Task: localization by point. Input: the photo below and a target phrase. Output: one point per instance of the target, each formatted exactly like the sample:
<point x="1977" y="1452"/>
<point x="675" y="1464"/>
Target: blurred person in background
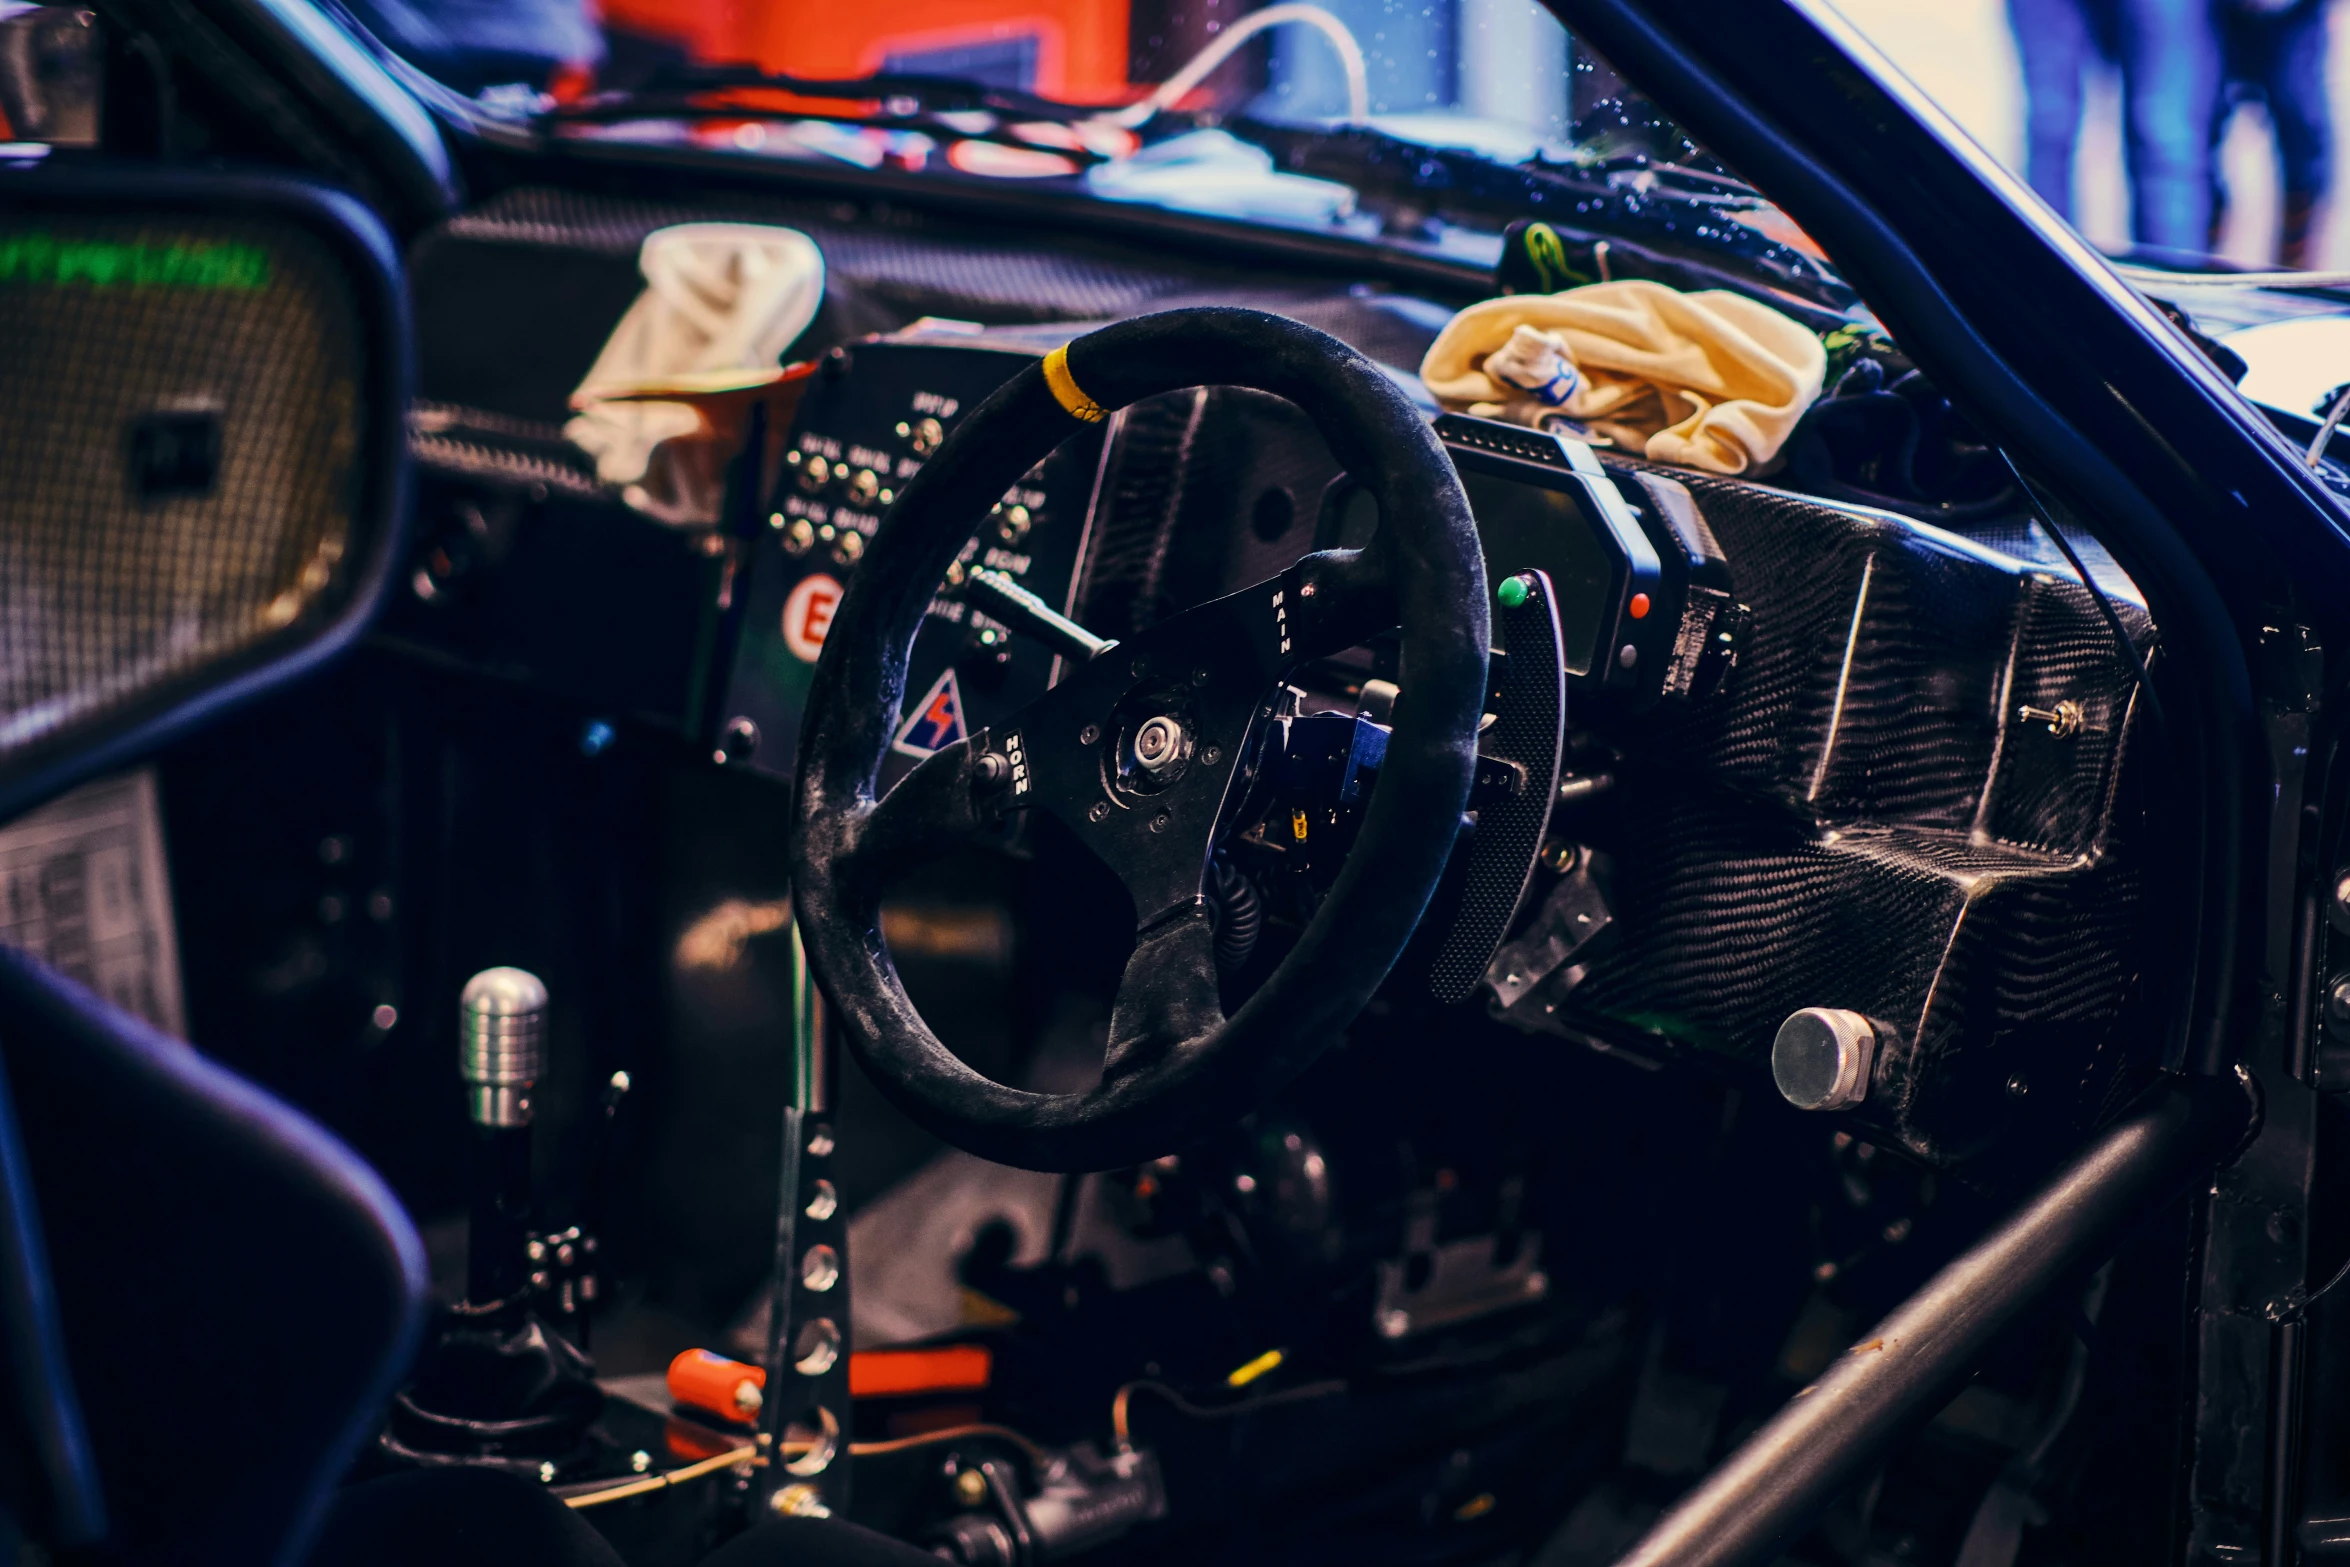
<point x="2168" y="52"/>
<point x="2274" y="52"/>
<point x="2057" y="41"/>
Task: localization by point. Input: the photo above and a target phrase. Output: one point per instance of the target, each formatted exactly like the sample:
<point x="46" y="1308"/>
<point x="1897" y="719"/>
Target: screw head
<point x="800" y="1500"/>
<point x="1089" y="734"/>
<point x="739" y="741"/>
<point x="2017" y="1087"/>
<point x="1212" y="755"/>
<point x="1159" y="822"/>
<point x="2338" y="1005"/>
<point x="1099" y="812"/>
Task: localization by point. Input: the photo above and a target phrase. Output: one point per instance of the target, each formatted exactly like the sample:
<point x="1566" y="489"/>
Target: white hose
<point x="2317" y="451"/>
<point x="2155" y="277"/>
<point x="1196" y="69"/>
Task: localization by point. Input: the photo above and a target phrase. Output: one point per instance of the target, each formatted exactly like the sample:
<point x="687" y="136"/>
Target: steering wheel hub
<point x="1160" y="744"/>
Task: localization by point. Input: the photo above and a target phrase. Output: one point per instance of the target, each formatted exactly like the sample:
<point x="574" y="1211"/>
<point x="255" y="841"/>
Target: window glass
<point x="2175" y="128"/>
<point x="1286" y="113"/>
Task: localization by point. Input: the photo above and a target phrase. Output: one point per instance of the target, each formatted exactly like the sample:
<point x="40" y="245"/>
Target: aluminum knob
<point x="501" y="1044"/>
<point x="1822" y="1056"/>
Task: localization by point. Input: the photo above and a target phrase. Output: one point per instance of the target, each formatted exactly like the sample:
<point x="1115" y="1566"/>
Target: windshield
<point x="2177" y="132"/>
<point x="1423" y="124"/>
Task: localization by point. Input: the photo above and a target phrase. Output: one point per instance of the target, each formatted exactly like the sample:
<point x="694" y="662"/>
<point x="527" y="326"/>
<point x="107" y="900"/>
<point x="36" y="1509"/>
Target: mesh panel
<point x="179" y="435"/>
<point x="1001" y="270"/>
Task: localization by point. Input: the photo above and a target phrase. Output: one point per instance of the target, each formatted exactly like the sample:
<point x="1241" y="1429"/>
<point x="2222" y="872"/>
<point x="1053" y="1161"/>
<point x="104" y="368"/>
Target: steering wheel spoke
<point x="1166" y="998"/>
<point x="1331" y="601"/>
<point x="930" y="810"/>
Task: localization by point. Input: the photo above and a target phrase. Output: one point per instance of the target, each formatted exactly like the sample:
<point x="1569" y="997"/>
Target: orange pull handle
<point x="734" y="1391"/>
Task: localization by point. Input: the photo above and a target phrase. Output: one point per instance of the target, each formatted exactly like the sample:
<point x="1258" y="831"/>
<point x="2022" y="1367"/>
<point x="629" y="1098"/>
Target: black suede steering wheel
<point x="1140" y="751"/>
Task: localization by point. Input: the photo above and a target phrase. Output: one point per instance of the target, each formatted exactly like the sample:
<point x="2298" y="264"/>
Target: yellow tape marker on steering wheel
<point x="1067" y="392"/>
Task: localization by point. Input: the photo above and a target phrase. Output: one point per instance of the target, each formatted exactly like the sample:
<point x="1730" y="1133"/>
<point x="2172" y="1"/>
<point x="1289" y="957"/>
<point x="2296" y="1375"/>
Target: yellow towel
<point x="1710" y="380"/>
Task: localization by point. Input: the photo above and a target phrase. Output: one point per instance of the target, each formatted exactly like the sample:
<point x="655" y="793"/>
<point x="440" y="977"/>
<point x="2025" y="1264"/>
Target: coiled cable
<point x="1239" y="917"/>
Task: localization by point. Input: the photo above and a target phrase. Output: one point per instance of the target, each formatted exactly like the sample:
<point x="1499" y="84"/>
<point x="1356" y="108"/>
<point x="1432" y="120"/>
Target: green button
<point x="1512" y="592"/>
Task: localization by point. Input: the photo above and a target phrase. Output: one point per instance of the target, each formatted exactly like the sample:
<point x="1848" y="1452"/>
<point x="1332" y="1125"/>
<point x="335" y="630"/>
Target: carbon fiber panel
<point x="514" y="297"/>
<point x="926" y="262"/>
<point x="1868" y="818"/>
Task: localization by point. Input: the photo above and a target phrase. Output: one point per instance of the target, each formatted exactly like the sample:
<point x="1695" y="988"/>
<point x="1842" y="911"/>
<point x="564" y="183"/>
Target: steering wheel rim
<point x="1176" y="1066"/>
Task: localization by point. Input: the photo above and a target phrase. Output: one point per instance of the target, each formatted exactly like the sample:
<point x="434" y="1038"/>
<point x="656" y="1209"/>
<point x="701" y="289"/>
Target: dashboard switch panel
<point x="863" y="429"/>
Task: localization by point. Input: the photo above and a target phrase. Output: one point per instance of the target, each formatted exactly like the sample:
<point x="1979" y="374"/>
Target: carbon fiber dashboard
<point x="1906" y="802"/>
<point x="1906" y="799"/>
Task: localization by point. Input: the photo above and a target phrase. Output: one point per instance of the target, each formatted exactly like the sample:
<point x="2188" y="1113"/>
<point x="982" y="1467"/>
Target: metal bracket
<point x="804" y="1420"/>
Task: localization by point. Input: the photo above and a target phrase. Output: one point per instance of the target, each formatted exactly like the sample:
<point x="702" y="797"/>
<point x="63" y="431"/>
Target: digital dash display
<point x="1525" y="526"/>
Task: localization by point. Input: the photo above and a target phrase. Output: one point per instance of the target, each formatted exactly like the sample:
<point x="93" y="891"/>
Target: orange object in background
<point x="1074" y="50"/>
<point x="731" y="1390"/>
<point x="903" y="1373"/>
<point x="716" y="1385"/>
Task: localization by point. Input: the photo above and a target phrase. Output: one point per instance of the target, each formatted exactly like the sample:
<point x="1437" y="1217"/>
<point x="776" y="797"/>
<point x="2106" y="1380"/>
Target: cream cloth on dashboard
<point x="722" y="302"/>
<point x="1709" y="380"/>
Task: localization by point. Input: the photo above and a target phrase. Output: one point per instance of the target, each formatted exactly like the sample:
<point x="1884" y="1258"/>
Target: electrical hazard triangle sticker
<point x="937" y="720"/>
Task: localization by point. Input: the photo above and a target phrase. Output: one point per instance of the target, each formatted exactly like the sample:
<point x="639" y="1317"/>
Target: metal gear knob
<point x="501" y="1044"/>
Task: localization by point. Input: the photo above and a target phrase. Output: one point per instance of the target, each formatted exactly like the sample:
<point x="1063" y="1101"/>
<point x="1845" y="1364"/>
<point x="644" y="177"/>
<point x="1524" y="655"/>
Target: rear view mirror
<point x="203" y="393"/>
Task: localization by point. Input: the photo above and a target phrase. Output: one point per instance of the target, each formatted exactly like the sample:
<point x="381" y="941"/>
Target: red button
<point x="1638" y="606"/>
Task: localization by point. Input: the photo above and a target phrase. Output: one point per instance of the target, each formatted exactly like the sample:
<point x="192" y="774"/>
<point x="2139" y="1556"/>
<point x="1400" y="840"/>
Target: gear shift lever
<point x="495" y="1385"/>
<point x="502" y="1052"/>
